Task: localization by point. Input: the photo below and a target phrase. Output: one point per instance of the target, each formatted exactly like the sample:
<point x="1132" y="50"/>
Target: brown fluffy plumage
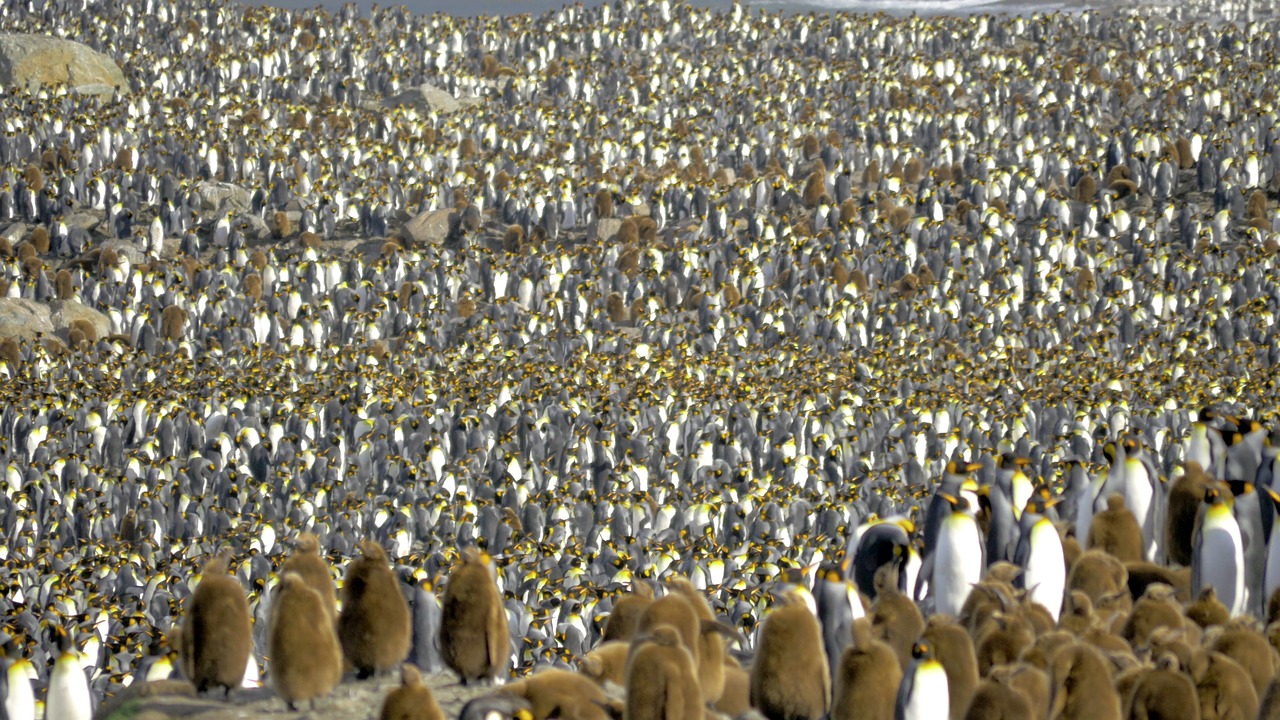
<point x="1225" y="690"/>
<point x="662" y="681"/>
<point x="1080" y="683"/>
<point x="1116" y="531"/>
<point x="625" y="616"/>
<point x="1183" y="505"/>
<point x="896" y="620"/>
<point x="555" y="693"/>
<point x="993" y="701"/>
<point x="412" y="700"/>
<point x="313" y="569"/>
<point x="607" y="662"/>
<point x="674" y="610"/>
<point x="474" y="640"/>
<point x="711" y="642"/>
<point x="789" y="678"/>
<point x="1164" y="692"/>
<point x="306" y="658"/>
<point x="374" y="624"/>
<point x="866" y="682"/>
<point x="216" y="639"/>
<point x="735" y="699"/>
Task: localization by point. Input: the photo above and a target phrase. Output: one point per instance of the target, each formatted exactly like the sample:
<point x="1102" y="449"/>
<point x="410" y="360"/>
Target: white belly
<point x="958" y="565"/>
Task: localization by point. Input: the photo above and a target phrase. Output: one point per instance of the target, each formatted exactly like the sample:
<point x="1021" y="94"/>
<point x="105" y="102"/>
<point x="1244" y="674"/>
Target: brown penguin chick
<point x="662" y="681"/>
<point x="1225" y="690"/>
<point x="1045" y="647"/>
<point x="413" y="700"/>
<point x="604" y="204"/>
<point x="1032" y="683"/>
<point x="896" y="620"/>
<point x="628" y="233"/>
<point x="866" y="682"/>
<point x="40" y="239"/>
<point x="1164" y="692"/>
<point x="1208" y="609"/>
<point x="11" y="350"/>
<point x="64" y="285"/>
<point x="474" y="640"/>
<point x="987" y="598"/>
<point x="313" y="570"/>
<point x="216" y="638"/>
<point x="1077" y="613"/>
<point x="607" y="663"/>
<point x="1144" y="574"/>
<point x="555" y="693"/>
<point x="711" y="641"/>
<point x="954" y="649"/>
<point x="1153" y="610"/>
<point x="789" y="677"/>
<point x="1080" y="686"/>
<point x="1116" y="531"/>
<point x="1098" y="574"/>
<point x="306" y="658"/>
<point x="1182" y="507"/>
<point x="173" y="322"/>
<point x="993" y="701"/>
<point x="675" y="610"/>
<point x="1003" y="640"/>
<point x="374" y="624"/>
<point x="1269" y="703"/>
<point x="625" y="616"/>
<point x="735" y="699"/>
<point x="1240" y="642"/>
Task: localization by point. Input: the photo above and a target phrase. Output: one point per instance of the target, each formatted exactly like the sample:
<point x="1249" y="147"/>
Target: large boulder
<point x="427" y="98"/>
<point x="21" y="318"/>
<point x="30" y="61"/>
<point x="430" y="227"/>
<point x="214" y="195"/>
<point x="65" y="312"/>
<point x="604" y="229"/>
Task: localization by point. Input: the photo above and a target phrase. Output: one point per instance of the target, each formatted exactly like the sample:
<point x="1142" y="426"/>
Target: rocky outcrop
<point x="214" y="195"/>
<point x="31" y="61"/>
<point x="65" y="312"/>
<point x="25" y="319"/>
<point x="429" y="98"/>
<point x="428" y="227"/>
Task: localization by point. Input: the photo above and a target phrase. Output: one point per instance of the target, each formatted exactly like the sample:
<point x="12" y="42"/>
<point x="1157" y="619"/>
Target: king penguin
<point x="474" y="640"/>
<point x="373" y="626"/>
<point x="68" y="695"/>
<point x="19" y="698"/>
<point x="306" y="657"/>
<point x="866" y="678"/>
<point x="838" y="607"/>
<point x="958" y="562"/>
<point x="923" y="694"/>
<point x="1271" y="574"/>
<point x="1217" y="557"/>
<point x="789" y="678"/>
<point x="1039" y="554"/>
<point x="217" y="638"/>
<point x="308" y="564"/>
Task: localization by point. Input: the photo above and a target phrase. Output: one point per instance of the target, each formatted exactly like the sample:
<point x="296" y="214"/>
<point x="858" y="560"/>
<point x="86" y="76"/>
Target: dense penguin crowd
<point x="745" y="298"/>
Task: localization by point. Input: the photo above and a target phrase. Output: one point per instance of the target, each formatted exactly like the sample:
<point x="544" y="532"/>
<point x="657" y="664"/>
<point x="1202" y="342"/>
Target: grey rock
<point x="64" y="312"/>
<point x="221" y="196"/>
<point x="429" y="98"/>
<point x="253" y="227"/>
<point x="15" y="232"/>
<point x="31" y="61"/>
<point x="604" y="230"/>
<point x="428" y="227"/>
<point x="21" y="318"/>
<point x="85" y="219"/>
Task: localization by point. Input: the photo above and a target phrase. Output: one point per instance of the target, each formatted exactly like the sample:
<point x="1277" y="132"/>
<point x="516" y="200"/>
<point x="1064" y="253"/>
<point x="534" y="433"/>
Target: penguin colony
<point x="725" y="295"/>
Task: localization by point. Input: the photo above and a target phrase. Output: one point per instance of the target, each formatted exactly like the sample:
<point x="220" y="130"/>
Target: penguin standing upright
<point x="923" y="694"/>
<point x="308" y="564"/>
<point x="866" y="678"/>
<point x="413" y="700"/>
<point x="306" y="657"/>
<point x="789" y="678"/>
<point x="662" y="682"/>
<point x="958" y="563"/>
<point x="1217" y="558"/>
<point x="1039" y="554"/>
<point x="1005" y="500"/>
<point x="474" y="640"/>
<point x="217" y="638"/>
<point x="19" y="698"/>
<point x="68" y="695"/>
<point x="838" y="607"/>
<point x="1271" y="573"/>
<point x="373" y="626"/>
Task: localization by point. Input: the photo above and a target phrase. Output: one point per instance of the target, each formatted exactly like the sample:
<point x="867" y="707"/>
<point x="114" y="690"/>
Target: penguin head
<point x="958" y="467"/>
<point x="958" y="503"/>
<point x="922" y="651"/>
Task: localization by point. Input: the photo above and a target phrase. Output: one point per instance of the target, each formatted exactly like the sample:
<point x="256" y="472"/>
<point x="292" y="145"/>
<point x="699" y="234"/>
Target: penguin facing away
<point x="474" y="640"/>
<point x="373" y="626"/>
